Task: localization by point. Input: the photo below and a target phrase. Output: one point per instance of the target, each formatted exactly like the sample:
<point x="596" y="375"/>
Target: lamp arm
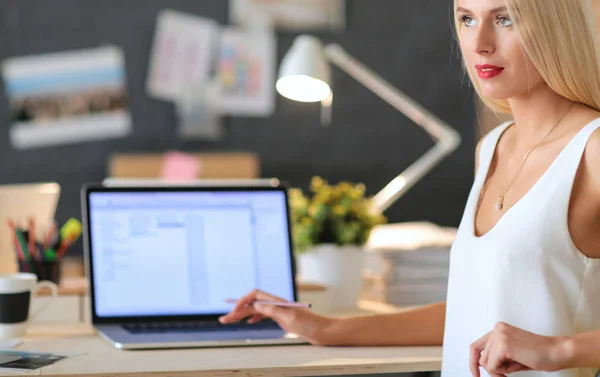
<point x="447" y="139"/>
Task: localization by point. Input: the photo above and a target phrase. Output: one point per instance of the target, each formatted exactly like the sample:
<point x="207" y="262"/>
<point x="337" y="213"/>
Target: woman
<point x="524" y="286"/>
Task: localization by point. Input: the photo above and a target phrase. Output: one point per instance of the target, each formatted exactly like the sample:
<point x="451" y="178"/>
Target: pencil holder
<point x="45" y="270"/>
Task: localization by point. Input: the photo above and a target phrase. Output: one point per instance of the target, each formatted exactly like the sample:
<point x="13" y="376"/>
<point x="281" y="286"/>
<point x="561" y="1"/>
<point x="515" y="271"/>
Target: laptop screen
<point x="162" y="253"/>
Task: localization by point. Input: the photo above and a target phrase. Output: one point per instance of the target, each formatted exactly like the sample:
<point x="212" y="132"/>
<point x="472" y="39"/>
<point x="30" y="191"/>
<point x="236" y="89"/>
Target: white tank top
<point x="526" y="271"/>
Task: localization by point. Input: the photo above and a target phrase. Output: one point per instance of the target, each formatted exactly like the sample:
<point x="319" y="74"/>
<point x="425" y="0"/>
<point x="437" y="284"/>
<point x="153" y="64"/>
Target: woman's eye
<point x="504" y="21"/>
<point x="467" y="21"/>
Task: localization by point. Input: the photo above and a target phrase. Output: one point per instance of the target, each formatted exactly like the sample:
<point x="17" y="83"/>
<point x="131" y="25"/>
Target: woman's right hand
<point x="299" y="321"/>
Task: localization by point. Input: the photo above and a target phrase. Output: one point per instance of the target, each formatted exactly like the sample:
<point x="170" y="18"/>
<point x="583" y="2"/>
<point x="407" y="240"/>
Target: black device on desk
<point x="162" y="261"/>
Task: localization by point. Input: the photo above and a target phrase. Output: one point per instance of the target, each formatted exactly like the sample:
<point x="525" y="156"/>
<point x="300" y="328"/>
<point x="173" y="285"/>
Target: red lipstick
<point x="488" y="71"/>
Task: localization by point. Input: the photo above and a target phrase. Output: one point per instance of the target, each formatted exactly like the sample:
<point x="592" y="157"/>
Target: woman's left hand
<point x="508" y="349"/>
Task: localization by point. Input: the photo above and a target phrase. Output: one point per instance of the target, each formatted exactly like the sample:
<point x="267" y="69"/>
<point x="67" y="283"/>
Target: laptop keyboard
<point x="179" y="327"/>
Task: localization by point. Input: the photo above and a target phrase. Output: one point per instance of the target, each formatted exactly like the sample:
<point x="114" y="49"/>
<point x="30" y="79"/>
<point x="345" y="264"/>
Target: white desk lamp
<point x="304" y="76"/>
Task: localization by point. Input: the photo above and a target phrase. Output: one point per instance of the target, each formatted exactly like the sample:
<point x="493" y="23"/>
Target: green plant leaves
<point x="339" y="214"/>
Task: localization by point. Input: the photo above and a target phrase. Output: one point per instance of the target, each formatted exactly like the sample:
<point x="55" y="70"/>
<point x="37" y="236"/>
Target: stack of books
<point x="407" y="264"/>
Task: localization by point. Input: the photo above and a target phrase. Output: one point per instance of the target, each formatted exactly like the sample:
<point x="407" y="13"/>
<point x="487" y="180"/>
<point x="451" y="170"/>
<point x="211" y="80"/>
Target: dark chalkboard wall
<point x="408" y="42"/>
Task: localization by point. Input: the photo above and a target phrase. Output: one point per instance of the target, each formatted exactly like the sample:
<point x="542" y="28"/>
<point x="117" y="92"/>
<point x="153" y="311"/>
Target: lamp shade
<point x="304" y="73"/>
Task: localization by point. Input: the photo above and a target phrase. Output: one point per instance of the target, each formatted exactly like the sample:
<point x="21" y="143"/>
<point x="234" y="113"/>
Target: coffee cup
<point x="16" y="296"/>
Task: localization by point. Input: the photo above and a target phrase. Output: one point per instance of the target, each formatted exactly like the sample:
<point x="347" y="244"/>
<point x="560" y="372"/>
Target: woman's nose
<point x="483" y="41"/>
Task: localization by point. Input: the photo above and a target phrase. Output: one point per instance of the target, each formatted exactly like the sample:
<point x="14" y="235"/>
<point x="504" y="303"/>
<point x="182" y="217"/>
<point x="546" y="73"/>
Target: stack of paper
<point x="407" y="264"/>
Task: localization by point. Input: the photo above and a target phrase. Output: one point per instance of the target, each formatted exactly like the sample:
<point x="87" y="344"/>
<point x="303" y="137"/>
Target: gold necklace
<point x="500" y="202"/>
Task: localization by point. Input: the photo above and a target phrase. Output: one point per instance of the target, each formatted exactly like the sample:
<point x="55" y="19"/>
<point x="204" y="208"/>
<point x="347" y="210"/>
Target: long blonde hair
<point x="560" y="38"/>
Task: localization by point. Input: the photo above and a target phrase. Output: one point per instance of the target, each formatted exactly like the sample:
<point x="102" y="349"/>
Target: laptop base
<point x="122" y="339"/>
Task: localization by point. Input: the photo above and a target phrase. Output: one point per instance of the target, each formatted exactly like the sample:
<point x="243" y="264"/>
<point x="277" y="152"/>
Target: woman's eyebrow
<point x="492" y="11"/>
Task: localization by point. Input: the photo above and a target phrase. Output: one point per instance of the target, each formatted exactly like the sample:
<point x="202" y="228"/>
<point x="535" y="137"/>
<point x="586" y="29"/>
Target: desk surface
<point x="95" y="357"/>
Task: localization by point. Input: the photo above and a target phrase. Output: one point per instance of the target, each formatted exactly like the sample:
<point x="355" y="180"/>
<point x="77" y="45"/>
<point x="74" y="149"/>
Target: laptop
<point x="162" y="261"/>
<point x="134" y="182"/>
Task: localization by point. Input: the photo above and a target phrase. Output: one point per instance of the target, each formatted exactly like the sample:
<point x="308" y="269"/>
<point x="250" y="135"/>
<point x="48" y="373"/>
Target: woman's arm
<point x="508" y="349"/>
<point x="582" y="350"/>
<point x="418" y="326"/>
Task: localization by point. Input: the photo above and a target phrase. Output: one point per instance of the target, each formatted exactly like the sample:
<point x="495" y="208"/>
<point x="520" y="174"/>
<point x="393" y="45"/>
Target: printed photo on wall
<point x="246" y="72"/>
<point x="296" y="15"/>
<point x="67" y="97"/>
<point x="183" y="52"/>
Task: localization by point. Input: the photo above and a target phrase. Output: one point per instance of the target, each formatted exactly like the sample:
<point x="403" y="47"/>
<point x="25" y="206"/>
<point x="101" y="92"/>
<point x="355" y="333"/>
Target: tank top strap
<point x="558" y="182"/>
<point x="570" y="158"/>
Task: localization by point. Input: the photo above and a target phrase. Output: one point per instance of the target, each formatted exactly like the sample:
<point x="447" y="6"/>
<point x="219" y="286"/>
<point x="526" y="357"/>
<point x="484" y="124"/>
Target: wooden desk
<point x="71" y="305"/>
<point x="68" y="287"/>
<point x="98" y="358"/>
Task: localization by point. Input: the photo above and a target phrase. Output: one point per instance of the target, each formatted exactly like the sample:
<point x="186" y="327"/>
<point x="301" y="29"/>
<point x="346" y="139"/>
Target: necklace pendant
<point x="499" y="203"/>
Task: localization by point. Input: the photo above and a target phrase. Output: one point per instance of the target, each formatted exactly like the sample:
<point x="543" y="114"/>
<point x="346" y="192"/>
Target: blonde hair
<point x="559" y="36"/>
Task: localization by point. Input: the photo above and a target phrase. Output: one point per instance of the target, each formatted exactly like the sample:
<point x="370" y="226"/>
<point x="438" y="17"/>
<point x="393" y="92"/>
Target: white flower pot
<point x="338" y="268"/>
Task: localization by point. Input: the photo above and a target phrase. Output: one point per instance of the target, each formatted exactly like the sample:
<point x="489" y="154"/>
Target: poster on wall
<point x="67" y="97"/>
<point x="246" y="72"/>
<point x="183" y="52"/>
<point x="296" y="15"/>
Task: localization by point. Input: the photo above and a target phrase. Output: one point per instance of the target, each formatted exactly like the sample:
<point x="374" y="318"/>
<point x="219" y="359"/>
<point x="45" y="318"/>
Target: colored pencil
<point x="277" y="303"/>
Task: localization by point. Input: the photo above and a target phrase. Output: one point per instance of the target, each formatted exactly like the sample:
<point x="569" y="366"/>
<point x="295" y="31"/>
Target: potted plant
<point x="330" y="228"/>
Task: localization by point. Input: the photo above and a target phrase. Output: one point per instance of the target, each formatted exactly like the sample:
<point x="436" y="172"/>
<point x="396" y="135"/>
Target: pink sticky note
<point x="179" y="166"/>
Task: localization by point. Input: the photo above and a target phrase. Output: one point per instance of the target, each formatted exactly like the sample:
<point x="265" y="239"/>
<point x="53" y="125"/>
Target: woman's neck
<point x="535" y="113"/>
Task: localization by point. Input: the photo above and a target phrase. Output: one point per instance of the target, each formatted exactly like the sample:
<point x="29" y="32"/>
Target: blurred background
<point x="408" y="43"/>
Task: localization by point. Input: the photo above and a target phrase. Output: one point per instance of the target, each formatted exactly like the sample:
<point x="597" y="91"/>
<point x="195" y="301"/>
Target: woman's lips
<point x="488" y="71"/>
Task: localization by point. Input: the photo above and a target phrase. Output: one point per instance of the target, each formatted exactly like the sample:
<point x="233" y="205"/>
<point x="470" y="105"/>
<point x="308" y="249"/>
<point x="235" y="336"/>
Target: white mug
<point x="16" y="295"/>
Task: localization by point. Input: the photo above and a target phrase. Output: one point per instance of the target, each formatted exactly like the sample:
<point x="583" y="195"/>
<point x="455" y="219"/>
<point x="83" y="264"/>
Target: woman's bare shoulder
<point x="591" y="155"/>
